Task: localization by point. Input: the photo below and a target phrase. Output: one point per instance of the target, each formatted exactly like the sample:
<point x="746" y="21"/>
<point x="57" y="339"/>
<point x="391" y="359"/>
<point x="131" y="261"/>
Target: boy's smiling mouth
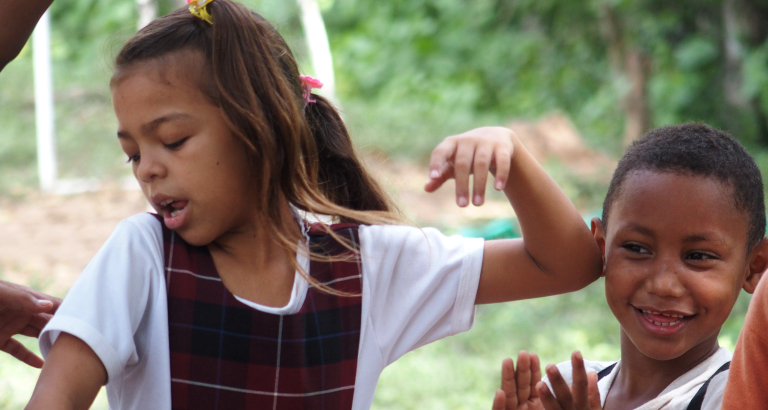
<point x="662" y="322"/>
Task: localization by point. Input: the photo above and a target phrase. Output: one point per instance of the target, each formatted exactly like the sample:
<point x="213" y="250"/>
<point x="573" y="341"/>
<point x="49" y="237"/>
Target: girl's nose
<point x="149" y="168"/>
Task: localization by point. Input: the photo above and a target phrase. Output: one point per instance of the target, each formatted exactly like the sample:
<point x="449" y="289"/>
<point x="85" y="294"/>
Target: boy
<point x="682" y="232"/>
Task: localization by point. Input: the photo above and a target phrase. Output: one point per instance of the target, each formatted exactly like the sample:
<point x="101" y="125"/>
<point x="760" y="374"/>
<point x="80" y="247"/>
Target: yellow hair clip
<point x="200" y="10"/>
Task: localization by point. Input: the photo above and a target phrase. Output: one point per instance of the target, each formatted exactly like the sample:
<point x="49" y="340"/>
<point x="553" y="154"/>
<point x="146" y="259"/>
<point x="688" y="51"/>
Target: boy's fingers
<point x="523" y="374"/>
<point x="462" y="167"/>
<point x="560" y="387"/>
<point x="579" y="387"/>
<point x="593" y="393"/>
<point x="502" y="159"/>
<point x="535" y="369"/>
<point x="547" y="399"/>
<point x="498" y="400"/>
<point x="17" y="350"/>
<point x="508" y="383"/>
<point x="481" y="164"/>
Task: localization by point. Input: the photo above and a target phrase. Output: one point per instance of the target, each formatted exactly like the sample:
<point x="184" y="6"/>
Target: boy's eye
<point x="176" y="144"/>
<point x="635" y="248"/>
<point x="133" y="158"/>
<point x="699" y="256"/>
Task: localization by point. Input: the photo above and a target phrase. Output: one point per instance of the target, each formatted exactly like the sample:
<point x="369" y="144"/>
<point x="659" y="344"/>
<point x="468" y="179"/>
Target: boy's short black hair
<point x="700" y="150"/>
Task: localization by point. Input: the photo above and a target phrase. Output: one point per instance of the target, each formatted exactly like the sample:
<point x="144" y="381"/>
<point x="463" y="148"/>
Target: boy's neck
<point x="641" y="378"/>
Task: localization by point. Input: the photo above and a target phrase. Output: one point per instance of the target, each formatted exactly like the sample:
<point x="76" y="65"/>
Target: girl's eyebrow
<point x="154" y="124"/>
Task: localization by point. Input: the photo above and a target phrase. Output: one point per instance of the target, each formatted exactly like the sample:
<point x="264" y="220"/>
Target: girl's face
<point x="675" y="260"/>
<point x="191" y="168"/>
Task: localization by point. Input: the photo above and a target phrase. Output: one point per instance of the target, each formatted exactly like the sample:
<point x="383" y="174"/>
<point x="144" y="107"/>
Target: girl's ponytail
<point x="340" y="174"/>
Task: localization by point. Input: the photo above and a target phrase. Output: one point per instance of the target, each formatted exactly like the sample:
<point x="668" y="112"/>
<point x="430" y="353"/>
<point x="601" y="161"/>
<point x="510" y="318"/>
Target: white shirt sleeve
<point x="109" y="305"/>
<point x="421" y="285"/>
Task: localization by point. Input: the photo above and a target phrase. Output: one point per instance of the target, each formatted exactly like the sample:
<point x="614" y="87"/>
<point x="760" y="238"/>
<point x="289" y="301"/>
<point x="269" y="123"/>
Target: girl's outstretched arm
<point x="72" y="376"/>
<point x="557" y="253"/>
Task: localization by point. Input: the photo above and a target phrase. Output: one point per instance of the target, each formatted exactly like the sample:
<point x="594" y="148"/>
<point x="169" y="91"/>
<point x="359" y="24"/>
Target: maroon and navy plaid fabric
<point x="226" y="355"/>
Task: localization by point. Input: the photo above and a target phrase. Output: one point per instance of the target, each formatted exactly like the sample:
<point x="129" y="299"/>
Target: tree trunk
<point x="630" y="69"/>
<point x="147" y="12"/>
<point x="319" y="48"/>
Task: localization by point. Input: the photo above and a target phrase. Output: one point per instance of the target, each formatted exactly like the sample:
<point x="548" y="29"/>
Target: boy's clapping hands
<point x="522" y="388"/>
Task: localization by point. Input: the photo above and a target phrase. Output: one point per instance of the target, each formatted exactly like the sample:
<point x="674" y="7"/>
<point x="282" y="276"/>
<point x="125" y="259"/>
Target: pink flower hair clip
<point x="307" y="84"/>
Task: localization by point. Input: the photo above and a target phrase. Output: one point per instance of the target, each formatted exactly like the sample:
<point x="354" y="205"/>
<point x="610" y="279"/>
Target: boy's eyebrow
<point x="704" y="237"/>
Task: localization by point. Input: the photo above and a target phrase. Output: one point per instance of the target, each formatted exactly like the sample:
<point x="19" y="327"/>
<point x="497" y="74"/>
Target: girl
<point x="228" y="298"/>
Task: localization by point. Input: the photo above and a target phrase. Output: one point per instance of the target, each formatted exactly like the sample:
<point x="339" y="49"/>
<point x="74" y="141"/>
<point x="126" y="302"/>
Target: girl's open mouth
<point x="173" y="212"/>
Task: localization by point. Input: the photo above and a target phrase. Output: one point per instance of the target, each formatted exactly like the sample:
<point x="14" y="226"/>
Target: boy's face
<point x="675" y="254"/>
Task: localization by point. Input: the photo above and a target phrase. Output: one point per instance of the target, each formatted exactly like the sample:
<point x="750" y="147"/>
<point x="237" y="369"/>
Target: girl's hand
<point x="518" y="390"/>
<point x="582" y="395"/>
<point x="473" y="152"/>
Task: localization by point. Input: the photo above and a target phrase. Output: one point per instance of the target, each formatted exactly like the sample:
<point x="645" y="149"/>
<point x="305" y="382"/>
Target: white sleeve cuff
<point x="464" y="311"/>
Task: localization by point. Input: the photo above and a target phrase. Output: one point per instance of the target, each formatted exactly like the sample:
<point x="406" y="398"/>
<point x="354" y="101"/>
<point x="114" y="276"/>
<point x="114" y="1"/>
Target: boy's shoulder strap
<point x="605" y="372"/>
<point x="698" y="399"/>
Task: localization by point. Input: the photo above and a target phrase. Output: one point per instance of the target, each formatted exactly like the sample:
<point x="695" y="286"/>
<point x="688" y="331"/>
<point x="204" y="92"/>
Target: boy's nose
<point x="665" y="280"/>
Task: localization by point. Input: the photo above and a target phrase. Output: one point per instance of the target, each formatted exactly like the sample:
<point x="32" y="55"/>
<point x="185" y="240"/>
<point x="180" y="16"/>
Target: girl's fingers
<point x="547" y="399"/>
<point x="508" y="385"/>
<point x="560" y="387"/>
<point x="502" y="162"/>
<point x="498" y="400"/>
<point x="579" y="387"/>
<point x="462" y="167"/>
<point x="593" y="393"/>
<point x="481" y="164"/>
<point x="523" y="374"/>
<point x="440" y="164"/>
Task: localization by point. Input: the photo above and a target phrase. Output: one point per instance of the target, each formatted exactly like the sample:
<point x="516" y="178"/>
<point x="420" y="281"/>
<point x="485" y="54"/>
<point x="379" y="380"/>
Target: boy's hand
<point x="23" y="311"/>
<point x="473" y="152"/>
<point x="582" y="395"/>
<point x="518" y="390"/>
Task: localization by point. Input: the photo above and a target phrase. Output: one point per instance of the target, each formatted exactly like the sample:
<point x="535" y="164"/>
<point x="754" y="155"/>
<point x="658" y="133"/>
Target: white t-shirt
<point x="418" y="286"/>
<point x="679" y="393"/>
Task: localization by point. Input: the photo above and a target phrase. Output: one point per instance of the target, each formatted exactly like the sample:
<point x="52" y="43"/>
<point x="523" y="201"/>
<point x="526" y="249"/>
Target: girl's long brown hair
<point x="301" y="153"/>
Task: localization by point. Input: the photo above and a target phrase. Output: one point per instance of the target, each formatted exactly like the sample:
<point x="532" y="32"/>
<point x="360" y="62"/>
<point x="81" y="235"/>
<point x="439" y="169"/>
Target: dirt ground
<point x="46" y="240"/>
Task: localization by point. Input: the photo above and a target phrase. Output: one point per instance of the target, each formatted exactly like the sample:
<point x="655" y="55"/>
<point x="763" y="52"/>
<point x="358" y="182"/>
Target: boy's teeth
<point x="176" y="212"/>
<point x="166" y="202"/>
<point x="647" y="312"/>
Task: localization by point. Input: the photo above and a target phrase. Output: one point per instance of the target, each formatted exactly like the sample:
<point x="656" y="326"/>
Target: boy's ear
<point x="758" y="263"/>
<point x="599" y="234"/>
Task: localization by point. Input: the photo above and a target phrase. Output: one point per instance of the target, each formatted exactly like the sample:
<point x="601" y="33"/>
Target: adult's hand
<point x="23" y="311"/>
<point x="17" y="19"/>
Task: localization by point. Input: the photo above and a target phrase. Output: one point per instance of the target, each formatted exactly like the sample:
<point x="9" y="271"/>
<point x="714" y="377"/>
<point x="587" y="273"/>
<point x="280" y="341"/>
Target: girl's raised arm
<point x="72" y="376"/>
<point x="557" y="253"/>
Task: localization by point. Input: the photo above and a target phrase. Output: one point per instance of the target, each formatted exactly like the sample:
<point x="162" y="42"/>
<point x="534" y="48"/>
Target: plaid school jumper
<point x="226" y="355"/>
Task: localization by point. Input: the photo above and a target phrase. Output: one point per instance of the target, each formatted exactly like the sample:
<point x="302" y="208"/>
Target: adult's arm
<point x="17" y="20"/>
<point x="23" y="311"/>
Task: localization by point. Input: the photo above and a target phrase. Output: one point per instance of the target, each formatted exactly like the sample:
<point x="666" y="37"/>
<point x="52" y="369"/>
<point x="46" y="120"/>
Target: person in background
<point x="23" y="311"/>
<point x="17" y="20"/>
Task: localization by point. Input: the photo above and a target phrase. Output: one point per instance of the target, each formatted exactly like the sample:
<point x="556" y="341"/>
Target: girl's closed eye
<point x="133" y="158"/>
<point x="177" y="144"/>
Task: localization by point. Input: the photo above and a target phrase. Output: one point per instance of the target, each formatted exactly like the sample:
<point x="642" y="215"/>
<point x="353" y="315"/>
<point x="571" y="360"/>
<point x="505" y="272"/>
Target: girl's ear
<point x="758" y="262"/>
<point x="599" y="234"/>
